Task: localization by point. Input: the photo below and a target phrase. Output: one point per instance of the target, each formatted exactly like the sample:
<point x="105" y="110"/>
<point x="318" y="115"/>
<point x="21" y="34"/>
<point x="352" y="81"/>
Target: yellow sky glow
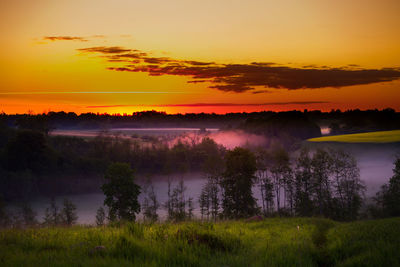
<point x="290" y="33"/>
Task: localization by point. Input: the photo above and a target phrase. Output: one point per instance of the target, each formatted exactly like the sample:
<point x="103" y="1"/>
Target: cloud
<point x="239" y="78"/>
<point x="65" y="38"/>
<point x="199" y="81"/>
<point x="219" y="104"/>
<point x="260" y="92"/>
<point x="105" y="50"/>
<point x="73" y="38"/>
<point x="198" y="63"/>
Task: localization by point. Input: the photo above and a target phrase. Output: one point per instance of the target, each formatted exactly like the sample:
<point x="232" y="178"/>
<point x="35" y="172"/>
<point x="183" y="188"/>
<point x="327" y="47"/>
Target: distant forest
<point x="339" y="121"/>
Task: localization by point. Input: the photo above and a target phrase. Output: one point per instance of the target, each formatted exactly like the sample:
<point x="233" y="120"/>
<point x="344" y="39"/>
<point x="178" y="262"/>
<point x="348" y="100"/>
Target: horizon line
<point x="179" y="113"/>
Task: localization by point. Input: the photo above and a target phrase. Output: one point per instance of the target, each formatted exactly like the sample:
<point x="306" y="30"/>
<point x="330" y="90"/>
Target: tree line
<point x="24" y="216"/>
<point x="33" y="163"/>
<point x="347" y="121"/>
<point x="322" y="183"/>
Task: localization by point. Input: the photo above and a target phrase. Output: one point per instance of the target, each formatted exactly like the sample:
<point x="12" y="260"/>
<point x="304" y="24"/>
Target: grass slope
<point x="271" y="242"/>
<point x="371" y="137"/>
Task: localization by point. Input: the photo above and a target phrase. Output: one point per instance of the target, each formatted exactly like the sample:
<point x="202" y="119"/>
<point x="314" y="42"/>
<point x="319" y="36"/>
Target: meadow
<point x="270" y="242"/>
<point x="370" y="137"/>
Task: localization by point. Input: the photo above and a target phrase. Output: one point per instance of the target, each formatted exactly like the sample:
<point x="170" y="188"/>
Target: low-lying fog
<point x="87" y="204"/>
<point x="229" y="139"/>
<point x="375" y="163"/>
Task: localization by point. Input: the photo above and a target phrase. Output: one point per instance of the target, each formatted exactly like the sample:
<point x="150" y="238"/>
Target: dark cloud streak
<point x="65" y="38"/>
<point x="240" y="78"/>
<point x="105" y="50"/>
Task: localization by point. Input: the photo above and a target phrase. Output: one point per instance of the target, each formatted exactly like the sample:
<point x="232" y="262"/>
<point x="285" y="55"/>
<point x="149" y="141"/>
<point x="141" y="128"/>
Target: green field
<point x="271" y="242"/>
<point x="371" y="137"/>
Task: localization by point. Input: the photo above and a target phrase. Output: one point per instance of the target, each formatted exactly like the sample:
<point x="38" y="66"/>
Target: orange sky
<point x="42" y="68"/>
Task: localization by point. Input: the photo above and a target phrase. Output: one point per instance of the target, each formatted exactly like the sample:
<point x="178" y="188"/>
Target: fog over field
<point x="87" y="204"/>
<point x="229" y="138"/>
<point x="375" y="163"/>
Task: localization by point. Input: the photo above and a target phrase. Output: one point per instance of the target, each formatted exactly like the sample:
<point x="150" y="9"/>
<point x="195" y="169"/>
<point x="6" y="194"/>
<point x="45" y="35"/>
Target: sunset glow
<point x="198" y="56"/>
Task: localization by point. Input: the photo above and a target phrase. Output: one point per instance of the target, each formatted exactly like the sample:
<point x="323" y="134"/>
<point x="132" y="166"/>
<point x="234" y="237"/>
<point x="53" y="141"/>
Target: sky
<point x="183" y="56"/>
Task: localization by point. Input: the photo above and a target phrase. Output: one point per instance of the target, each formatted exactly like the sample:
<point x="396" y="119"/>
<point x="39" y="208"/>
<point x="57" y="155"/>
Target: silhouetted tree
<point x="100" y="216"/>
<point x="237" y="182"/>
<point x="190" y="214"/>
<point x="209" y="200"/>
<point x="213" y="194"/>
<point x="121" y="192"/>
<point x="348" y="189"/>
<point x="179" y="202"/>
<point x="68" y="213"/>
<point x="150" y="204"/>
<point x="213" y="168"/>
<point x="388" y="199"/>
<point x="204" y="202"/>
<point x="28" y="215"/>
<point x="52" y="216"/>
<point x="304" y="205"/>
<point x="168" y="203"/>
<point x="263" y="159"/>
<point x="281" y="174"/>
<point x="321" y="166"/>
<point x="179" y="208"/>
<point x="261" y="174"/>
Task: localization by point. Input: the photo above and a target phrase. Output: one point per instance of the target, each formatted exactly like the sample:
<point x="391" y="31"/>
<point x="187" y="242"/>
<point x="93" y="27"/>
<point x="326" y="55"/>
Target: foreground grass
<point x="372" y="137"/>
<point x="271" y="242"/>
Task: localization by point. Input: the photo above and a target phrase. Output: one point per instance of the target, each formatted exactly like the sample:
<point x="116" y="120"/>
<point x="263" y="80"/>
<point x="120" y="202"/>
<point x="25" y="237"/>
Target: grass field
<point x="271" y="242"/>
<point x="371" y="137"/>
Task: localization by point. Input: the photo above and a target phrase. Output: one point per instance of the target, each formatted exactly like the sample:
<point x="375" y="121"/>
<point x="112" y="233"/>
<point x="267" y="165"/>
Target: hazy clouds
<point x="240" y="78"/>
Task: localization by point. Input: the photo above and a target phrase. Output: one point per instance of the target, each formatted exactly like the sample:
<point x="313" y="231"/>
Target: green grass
<point x="372" y="243"/>
<point x="371" y="137"/>
<point x="271" y="242"/>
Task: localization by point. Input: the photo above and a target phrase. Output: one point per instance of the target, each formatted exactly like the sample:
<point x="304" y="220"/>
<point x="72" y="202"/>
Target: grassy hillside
<point x="371" y="137"/>
<point x="271" y="242"/>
